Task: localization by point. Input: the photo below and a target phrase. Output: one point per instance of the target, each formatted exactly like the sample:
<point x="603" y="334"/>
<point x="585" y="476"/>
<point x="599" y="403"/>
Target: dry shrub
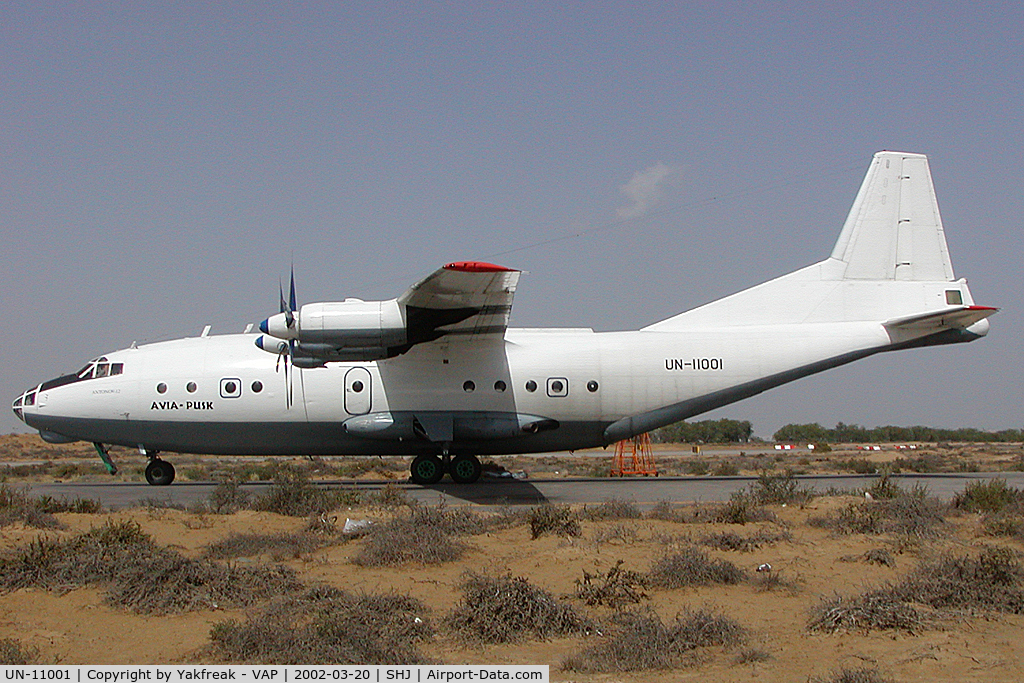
<point x="553" y="519"/>
<point x="884" y="487"/>
<point x="912" y="514"/>
<point x="774" y="581"/>
<point x="992" y="581"/>
<point x="641" y="641"/>
<point x="1004" y="523"/>
<point x="327" y="626"/>
<point x="391" y="496"/>
<point x="425" y="535"/>
<point x="778" y="489"/>
<point x="741" y="509"/>
<point x="730" y="540"/>
<point x="620" y="533"/>
<point x="137" y="573"/>
<point x="616" y="588"/>
<point x="664" y="511"/>
<point x="879" y="556"/>
<point x="692" y="567"/>
<point x="874" y="611"/>
<point x="859" y="675"/>
<point x="751" y="655"/>
<point x="17" y="506"/>
<point x="613" y="509"/>
<point x="228" y="497"/>
<point x="507" y="517"/>
<point x="279" y="546"/>
<point x="989" y="496"/>
<point x="503" y="609"/>
<point x="293" y="494"/>
<point x="13" y="653"/>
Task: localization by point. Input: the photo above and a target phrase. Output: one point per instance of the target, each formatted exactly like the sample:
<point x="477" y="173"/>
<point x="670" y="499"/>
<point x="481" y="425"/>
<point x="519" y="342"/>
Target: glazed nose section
<point x="27" y="399"/>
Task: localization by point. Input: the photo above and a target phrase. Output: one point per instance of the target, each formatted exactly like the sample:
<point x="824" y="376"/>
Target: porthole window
<point x="500" y="386"/>
<point x="257" y="387"/>
<point x="468" y="386"/>
<point x="190" y="387"/>
<point x="230" y="387"/>
<point x="591" y="386"/>
<point x="161" y="388"/>
<point x="558" y="387"/>
<point x="531" y="386"/>
<point x="357" y="386"/>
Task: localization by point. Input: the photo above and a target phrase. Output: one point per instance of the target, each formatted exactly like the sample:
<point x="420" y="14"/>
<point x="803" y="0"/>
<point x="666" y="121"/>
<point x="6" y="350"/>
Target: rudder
<point x="894" y="231"/>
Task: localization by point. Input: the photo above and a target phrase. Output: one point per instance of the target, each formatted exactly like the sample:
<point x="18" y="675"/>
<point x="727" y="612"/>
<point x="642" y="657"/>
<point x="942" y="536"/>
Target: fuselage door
<point x="358" y="391"/>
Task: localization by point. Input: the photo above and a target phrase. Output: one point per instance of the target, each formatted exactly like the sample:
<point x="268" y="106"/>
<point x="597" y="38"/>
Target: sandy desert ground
<point x="811" y="562"/>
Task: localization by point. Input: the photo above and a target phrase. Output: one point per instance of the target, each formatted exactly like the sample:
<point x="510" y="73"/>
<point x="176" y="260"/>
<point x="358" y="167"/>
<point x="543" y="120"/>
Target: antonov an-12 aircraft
<point x="437" y="373"/>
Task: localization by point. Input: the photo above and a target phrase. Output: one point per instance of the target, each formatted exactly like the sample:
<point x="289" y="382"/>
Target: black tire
<point x="465" y="469"/>
<point x="426" y="470"/>
<point x="159" y="472"/>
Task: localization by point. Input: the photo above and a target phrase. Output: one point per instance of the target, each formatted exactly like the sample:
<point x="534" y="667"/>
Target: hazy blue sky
<point x="161" y="164"/>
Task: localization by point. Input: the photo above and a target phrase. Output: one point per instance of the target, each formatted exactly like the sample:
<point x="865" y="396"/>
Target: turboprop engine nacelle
<point x="340" y="330"/>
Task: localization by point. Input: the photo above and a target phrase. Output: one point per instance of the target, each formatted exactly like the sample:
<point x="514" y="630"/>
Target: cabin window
<point x="161" y="388"/>
<point x="558" y="387"/>
<point x="230" y="387"/>
<point x="469" y="386"/>
<point x="191" y="387"/>
<point x="954" y="297"/>
<point x="500" y="386"/>
<point x="257" y="387"/>
<point x="592" y="386"/>
<point x="531" y="386"/>
<point x="357" y="386"/>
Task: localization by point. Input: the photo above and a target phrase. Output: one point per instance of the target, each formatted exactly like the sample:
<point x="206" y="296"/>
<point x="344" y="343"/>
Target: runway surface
<point x="494" y="492"/>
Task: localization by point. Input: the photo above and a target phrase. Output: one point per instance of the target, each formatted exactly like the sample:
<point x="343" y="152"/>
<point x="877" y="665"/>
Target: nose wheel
<point x="159" y="472"/>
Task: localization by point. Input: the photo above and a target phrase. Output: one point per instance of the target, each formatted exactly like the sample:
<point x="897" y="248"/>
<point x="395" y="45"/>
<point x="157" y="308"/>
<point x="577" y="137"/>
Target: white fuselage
<point x="221" y="394"/>
<point x="455" y="380"/>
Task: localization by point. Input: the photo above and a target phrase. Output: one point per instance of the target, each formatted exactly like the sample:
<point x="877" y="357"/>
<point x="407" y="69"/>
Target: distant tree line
<point x="707" y="431"/>
<point x="844" y="433"/>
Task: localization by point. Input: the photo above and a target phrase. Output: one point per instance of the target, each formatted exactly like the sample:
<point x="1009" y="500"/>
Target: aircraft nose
<point x="27" y="398"/>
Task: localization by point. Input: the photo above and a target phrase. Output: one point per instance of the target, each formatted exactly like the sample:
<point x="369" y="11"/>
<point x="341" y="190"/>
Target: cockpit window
<point x="97" y="367"/>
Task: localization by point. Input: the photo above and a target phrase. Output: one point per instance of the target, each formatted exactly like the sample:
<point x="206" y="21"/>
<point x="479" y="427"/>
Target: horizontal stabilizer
<point x="951" y="318"/>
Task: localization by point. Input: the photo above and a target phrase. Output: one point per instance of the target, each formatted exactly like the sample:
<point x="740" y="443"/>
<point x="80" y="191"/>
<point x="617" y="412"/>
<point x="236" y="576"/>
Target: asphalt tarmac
<point x="644" y="492"/>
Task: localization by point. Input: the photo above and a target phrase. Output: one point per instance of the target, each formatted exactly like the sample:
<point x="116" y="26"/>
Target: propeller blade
<point x="291" y="292"/>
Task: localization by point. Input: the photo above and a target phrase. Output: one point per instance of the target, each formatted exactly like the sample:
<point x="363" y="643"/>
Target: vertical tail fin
<point x="894" y="231"/>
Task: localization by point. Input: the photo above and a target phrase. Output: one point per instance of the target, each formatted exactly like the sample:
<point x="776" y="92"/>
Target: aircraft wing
<point x="466" y="297"/>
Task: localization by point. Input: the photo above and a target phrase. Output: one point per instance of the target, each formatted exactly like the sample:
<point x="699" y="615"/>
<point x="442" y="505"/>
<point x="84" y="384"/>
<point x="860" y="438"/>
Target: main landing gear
<point x="428" y="469"/>
<point x="158" y="472"/>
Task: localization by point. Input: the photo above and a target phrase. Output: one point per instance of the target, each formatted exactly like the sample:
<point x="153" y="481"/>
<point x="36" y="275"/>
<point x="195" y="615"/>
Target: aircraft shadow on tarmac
<point x="489" y="491"/>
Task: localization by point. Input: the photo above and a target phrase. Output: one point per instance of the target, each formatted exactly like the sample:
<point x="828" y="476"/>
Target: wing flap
<point x="475" y="297"/>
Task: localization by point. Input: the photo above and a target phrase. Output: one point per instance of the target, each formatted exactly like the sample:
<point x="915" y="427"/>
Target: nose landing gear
<point x="158" y="472"/>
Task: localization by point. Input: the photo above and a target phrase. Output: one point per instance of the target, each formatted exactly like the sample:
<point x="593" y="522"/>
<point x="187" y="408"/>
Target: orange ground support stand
<point x="633" y="458"/>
